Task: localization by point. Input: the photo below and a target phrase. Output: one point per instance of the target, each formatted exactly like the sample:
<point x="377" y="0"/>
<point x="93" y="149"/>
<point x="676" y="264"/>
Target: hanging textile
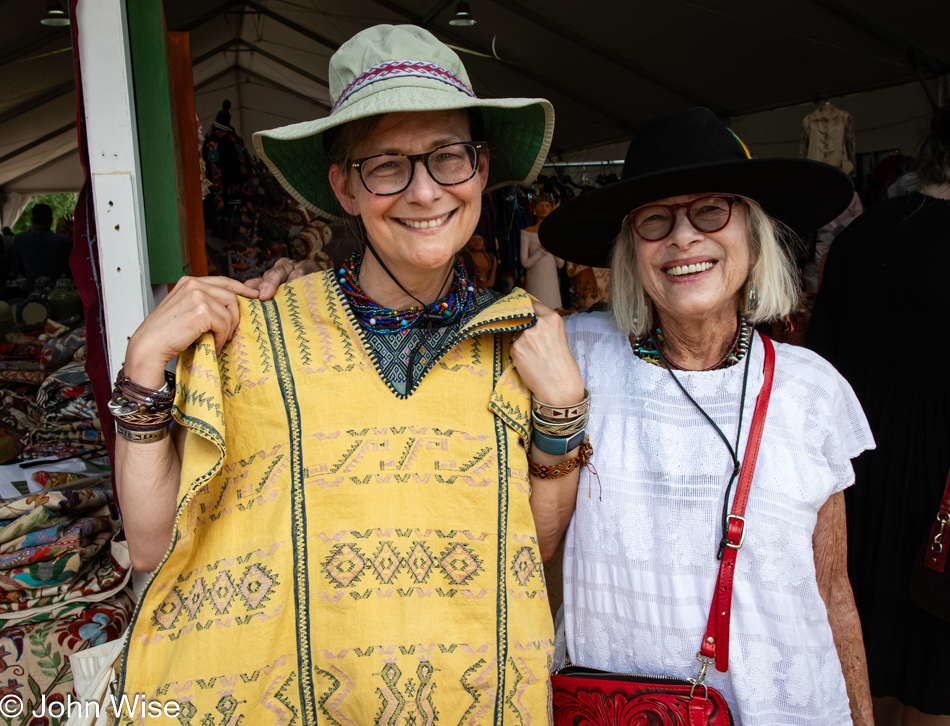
<point x="828" y="136"/>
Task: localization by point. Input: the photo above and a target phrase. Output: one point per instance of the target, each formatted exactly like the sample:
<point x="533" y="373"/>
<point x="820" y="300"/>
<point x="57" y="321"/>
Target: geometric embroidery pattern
<point x="425" y="706"/>
<point x="221" y="593"/>
<point x="460" y="564"/>
<point x="344" y="565"/>
<point x="419" y="562"/>
<point x="393" y="702"/>
<point x="386" y="563"/>
<point x="347" y="564"/>
<point x="255" y="584"/>
<point x="524" y="565"/>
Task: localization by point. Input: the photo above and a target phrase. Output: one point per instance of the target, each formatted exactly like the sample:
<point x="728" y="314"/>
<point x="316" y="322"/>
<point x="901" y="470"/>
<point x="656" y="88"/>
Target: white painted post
<point x="112" y="137"/>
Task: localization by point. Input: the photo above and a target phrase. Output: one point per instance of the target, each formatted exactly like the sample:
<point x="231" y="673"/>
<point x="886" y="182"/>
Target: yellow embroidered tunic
<point x="343" y="555"/>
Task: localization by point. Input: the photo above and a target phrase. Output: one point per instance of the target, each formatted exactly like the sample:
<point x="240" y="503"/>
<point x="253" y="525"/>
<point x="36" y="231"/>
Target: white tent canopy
<point x="605" y="65"/>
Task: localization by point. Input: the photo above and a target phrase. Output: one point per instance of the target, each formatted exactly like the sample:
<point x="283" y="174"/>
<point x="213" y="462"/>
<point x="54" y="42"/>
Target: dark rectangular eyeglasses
<point x="448" y="165"/>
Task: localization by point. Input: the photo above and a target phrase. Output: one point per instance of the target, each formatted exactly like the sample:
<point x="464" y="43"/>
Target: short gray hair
<point x="773" y="273"/>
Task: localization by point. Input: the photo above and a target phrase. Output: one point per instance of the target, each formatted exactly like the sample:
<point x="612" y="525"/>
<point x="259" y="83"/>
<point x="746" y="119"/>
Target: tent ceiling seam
<point x="287" y="22"/>
<point x="436" y="9"/>
<point x="41" y="167"/>
<point x="588" y="103"/>
<point x="50" y="94"/>
<point x="37" y="142"/>
<point x="208" y="17"/>
<point x="613" y="57"/>
<point x="33" y="45"/>
<point x="892" y="40"/>
<point x="286" y="64"/>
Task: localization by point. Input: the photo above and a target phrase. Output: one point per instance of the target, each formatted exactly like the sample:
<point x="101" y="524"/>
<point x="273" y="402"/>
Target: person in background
<point x="7" y="239"/>
<point x="40" y="252"/>
<point x="7" y="264"/>
<point x="880" y="319"/>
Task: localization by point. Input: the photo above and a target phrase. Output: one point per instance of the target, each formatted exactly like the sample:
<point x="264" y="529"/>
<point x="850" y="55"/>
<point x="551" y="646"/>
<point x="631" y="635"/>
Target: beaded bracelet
<point x="556" y="471"/>
<point x="561" y="413"/>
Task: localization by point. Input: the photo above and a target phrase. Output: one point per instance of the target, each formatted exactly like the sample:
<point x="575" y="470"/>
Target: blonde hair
<point x="773" y="274"/>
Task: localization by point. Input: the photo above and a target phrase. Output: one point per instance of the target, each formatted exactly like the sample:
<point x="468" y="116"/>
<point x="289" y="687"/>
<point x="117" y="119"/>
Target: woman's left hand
<point x="544" y="360"/>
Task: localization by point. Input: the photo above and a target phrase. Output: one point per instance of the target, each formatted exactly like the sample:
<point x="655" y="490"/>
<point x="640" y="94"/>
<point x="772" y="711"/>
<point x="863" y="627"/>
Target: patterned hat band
<point x="401" y="69"/>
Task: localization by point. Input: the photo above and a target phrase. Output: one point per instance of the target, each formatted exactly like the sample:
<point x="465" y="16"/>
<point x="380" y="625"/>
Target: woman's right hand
<point x="195" y="306"/>
<point x="284" y="270"/>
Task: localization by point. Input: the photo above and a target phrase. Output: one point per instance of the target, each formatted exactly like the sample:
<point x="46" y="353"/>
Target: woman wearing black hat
<point x="694" y="236"/>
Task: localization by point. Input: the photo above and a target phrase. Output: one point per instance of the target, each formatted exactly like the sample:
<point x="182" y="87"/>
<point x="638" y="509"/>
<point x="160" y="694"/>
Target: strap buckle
<point x="705" y="662"/>
<point x="741" y="521"/>
<point x="937" y="545"/>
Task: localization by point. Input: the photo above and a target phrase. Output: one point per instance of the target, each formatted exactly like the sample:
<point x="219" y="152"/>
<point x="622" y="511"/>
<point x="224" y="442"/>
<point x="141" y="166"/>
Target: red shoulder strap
<point x="716" y="640"/>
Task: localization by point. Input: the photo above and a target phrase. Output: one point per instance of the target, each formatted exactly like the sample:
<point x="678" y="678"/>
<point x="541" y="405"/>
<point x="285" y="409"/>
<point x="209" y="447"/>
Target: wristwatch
<point x="558" y="447"/>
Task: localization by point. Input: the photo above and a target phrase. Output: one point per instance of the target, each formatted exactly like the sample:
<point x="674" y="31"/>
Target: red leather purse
<point x="929" y="581"/>
<point x="589" y="697"/>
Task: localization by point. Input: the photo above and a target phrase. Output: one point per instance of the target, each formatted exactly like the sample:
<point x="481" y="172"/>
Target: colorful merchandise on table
<point x="58" y="547"/>
<point x="50" y="479"/>
<point x="33" y="653"/>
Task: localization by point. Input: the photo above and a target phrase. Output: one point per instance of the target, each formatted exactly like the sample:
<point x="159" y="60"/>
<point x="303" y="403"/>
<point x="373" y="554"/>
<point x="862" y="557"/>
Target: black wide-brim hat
<point x="691" y="152"/>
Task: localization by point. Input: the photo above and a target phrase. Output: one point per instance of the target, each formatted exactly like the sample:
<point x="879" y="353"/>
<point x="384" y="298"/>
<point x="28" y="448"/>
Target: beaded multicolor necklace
<point x="387" y="321"/>
<point x="645" y="348"/>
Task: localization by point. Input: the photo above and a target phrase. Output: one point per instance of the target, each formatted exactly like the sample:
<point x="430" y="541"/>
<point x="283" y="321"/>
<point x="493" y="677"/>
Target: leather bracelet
<point x="556" y="471"/>
<point x="558" y="446"/>
<point x="563" y="430"/>
<point x="130" y="399"/>
<point x="142" y="437"/>
<point x="561" y="413"/>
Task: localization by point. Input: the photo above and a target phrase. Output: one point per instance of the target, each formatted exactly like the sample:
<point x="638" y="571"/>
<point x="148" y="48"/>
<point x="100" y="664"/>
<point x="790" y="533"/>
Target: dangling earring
<point x="752" y="303"/>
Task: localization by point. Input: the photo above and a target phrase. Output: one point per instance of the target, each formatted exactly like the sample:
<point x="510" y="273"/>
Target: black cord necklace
<point x="426" y="316"/>
<point x="736" y="465"/>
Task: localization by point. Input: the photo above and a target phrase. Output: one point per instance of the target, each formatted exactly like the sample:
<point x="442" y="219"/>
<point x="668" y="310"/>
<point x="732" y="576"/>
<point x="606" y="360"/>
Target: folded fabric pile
<point x="46" y="402"/>
<point x="63" y="588"/>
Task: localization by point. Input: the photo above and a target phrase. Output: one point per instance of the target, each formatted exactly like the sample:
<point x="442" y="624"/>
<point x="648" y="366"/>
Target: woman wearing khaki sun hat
<point x="349" y="520"/>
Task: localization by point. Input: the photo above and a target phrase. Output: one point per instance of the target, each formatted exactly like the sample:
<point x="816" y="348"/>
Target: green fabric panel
<point x="153" y="112"/>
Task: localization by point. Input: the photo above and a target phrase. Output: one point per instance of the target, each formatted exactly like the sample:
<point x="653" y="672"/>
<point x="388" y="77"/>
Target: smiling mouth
<point x="426" y="223"/>
<point x="682" y="270"/>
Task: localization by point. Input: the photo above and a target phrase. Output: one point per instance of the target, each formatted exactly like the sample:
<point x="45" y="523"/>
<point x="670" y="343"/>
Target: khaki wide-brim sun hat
<point x="397" y="69"/>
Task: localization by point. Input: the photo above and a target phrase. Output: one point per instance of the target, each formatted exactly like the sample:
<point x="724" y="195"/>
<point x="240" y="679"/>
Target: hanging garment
<point x="885" y="272"/>
<point x="232" y="195"/>
<point x="828" y="136"/>
<point x="343" y="554"/>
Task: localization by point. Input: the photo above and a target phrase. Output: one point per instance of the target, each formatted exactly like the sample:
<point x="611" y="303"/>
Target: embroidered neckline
<point x="478" y="325"/>
<point x="387" y="321"/>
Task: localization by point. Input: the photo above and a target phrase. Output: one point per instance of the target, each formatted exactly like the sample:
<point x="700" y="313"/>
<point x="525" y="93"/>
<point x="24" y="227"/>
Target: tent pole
<point x="114" y="170"/>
